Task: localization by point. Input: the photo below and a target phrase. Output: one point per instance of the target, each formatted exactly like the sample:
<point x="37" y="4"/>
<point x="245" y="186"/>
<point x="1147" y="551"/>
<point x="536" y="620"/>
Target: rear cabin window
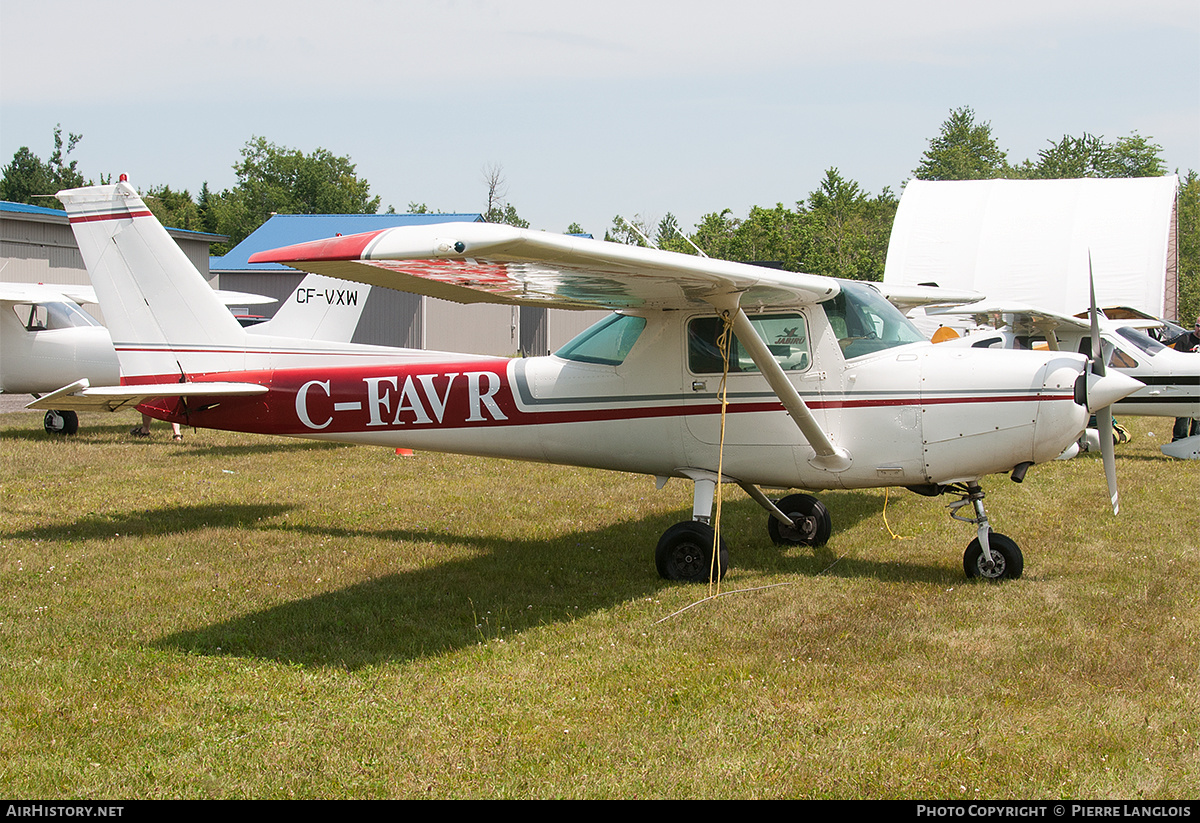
<point x="786" y="335"/>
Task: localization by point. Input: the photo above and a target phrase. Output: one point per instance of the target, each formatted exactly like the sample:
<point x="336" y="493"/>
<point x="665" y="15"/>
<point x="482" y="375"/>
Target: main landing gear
<point x="685" y="551"/>
<point x="810" y="523"/>
<point x="61" y="422"/>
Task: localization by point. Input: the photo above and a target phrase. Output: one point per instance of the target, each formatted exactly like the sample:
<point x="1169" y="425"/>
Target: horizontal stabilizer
<point x="1186" y="449"/>
<point x="79" y="396"/>
<point x="85" y="295"/>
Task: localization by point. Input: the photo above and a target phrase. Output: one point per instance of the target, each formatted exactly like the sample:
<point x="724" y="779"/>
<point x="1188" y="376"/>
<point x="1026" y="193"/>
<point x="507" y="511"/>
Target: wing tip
<point x="341" y="247"/>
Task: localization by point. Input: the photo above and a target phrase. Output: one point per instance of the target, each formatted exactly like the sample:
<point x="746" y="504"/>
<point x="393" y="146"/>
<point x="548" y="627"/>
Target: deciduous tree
<point x="27" y="179"/>
<point x="1092" y="156"/>
<point x="277" y="179"/>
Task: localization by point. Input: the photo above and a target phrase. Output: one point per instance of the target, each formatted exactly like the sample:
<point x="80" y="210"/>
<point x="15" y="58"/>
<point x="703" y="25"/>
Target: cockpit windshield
<point x="1140" y="339"/>
<point x="865" y="322"/>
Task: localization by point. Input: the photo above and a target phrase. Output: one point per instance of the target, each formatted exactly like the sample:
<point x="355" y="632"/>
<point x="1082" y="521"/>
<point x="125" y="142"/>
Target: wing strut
<point x="829" y="457"/>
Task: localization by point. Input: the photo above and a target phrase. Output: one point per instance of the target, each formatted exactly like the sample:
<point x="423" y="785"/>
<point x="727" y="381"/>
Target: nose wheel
<point x="990" y="556"/>
<point x="685" y="551"/>
<point x="1006" y="561"/>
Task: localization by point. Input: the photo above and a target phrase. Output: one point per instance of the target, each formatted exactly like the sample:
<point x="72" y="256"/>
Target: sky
<point x="589" y="110"/>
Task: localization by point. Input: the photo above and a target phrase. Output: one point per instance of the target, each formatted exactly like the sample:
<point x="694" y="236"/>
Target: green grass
<point x="241" y="616"/>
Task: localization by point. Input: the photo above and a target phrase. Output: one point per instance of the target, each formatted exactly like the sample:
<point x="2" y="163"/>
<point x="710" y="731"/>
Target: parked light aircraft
<point x="47" y="340"/>
<point x="828" y="385"/>
<point x="1171" y="378"/>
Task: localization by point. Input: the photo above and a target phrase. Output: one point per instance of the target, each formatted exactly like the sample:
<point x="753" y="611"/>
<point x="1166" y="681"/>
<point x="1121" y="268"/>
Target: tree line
<point x="838" y="229"/>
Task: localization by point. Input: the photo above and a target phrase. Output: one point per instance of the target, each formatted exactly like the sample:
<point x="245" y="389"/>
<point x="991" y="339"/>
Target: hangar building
<point x="1030" y="241"/>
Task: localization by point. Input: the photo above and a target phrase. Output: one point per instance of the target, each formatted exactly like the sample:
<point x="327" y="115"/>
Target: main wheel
<point x="811" y="523"/>
<point x="1008" y="562"/>
<point x="684" y="552"/>
<point x="61" y="422"/>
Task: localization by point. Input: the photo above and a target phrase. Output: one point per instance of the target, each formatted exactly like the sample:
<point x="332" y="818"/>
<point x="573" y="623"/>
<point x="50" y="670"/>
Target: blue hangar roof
<point x="289" y="229"/>
<point x="25" y="208"/>
<point x="60" y="216"/>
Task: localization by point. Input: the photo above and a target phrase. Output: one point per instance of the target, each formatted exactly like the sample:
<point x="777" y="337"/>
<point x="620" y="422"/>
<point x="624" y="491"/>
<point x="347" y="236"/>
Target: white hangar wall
<point x="1029" y="241"/>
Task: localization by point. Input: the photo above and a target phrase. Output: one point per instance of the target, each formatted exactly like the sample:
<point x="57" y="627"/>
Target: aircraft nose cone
<point x="1106" y="390"/>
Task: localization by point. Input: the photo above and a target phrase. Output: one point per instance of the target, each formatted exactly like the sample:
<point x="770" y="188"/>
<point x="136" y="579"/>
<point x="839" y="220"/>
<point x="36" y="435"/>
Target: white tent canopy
<point x="1028" y="241"/>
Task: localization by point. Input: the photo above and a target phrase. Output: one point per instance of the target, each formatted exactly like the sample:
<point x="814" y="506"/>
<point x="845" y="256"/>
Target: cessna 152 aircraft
<point x="48" y="340"/>
<point x="823" y="383"/>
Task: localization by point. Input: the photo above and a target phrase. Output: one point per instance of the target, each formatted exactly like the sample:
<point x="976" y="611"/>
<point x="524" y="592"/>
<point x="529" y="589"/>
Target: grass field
<point x="240" y="616"/>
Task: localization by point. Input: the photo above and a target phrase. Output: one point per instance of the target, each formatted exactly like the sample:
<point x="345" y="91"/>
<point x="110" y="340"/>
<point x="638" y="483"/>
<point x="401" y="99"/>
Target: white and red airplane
<point x="48" y="340"/>
<point x="824" y="384"/>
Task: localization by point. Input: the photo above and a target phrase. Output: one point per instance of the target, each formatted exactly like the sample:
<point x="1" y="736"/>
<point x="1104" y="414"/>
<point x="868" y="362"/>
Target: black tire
<point x="813" y="525"/>
<point x="1009" y="562"/>
<point x="61" y="422"/>
<point x="684" y="552"/>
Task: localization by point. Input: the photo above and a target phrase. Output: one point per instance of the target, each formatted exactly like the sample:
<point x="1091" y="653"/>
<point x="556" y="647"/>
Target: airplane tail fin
<point x="321" y="308"/>
<point x="164" y="319"/>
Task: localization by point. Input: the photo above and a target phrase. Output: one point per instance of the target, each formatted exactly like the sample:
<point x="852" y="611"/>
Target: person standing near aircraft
<point x="144" y="429"/>
<point x="1187" y="342"/>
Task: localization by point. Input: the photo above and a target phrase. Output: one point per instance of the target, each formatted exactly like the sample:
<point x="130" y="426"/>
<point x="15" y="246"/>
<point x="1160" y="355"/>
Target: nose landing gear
<point x="991" y="555"/>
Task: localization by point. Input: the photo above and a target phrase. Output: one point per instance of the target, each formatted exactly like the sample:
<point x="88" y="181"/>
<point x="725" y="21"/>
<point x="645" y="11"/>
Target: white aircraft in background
<point x="823" y="384"/>
<point x="1171" y="378"/>
<point x="47" y="340"/>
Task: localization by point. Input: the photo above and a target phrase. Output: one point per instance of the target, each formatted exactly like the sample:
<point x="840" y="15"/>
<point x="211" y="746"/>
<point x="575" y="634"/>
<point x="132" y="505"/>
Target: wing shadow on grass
<point x="506" y="587"/>
<point x="159" y="521"/>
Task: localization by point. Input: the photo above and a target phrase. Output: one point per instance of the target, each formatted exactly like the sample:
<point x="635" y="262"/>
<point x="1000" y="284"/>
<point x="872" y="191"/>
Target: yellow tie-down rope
<point x="724" y="343"/>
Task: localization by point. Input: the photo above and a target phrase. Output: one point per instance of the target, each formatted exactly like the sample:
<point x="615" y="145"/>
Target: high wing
<point x="46" y="293"/>
<point x="81" y="396"/>
<point x="1017" y="317"/>
<point x="907" y="298"/>
<point x="494" y="263"/>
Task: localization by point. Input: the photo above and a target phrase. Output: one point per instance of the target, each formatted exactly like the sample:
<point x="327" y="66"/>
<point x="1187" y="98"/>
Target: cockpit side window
<point x="606" y="343"/>
<point x="786" y="335"/>
<point x="1121" y="359"/>
<point x="54" y="315"/>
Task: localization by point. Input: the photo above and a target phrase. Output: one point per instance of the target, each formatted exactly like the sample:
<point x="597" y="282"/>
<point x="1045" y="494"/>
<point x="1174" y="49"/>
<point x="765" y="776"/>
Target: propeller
<point x="1104" y="418"/>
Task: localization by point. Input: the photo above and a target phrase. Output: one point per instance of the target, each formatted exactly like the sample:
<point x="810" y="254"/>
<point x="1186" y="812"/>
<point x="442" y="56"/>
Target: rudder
<point x="164" y="319"/>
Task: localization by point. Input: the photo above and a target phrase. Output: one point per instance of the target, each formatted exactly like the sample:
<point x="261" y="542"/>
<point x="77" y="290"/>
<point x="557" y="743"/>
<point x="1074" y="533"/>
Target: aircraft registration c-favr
<point x="707" y="370"/>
